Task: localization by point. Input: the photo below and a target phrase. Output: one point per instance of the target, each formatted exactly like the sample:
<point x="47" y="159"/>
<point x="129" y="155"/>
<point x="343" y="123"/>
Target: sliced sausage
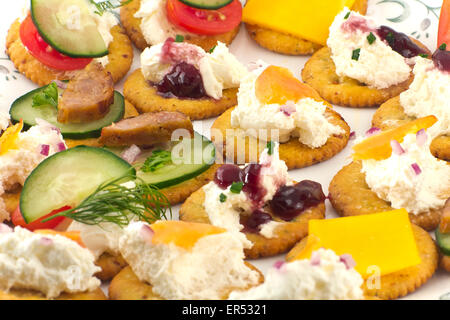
<point x="88" y="96"/>
<point x="145" y="130"/>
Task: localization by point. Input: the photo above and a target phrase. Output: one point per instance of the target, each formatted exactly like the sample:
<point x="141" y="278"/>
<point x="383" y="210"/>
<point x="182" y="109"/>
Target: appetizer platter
<point x="225" y="149"/>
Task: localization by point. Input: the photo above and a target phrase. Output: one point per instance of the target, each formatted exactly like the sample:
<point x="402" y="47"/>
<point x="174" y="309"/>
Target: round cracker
<point x="320" y="73"/>
<point x="289" y="44"/>
<point x="120" y="57"/>
<point x="127" y="286"/>
<point x="391" y="114"/>
<point x="145" y="98"/>
<point x="22" y="294"/>
<point x="110" y="264"/>
<point x="351" y="196"/>
<point x="400" y="283"/>
<point x="132" y="27"/>
<point x="285" y="237"/>
<point x="444" y="262"/>
<point x="293" y="153"/>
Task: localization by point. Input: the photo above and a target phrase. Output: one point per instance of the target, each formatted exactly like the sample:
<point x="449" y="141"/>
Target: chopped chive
<point x="347" y="15"/>
<point x="212" y="49"/>
<point x="236" y="187"/>
<point x="423" y="55"/>
<point x="443" y="47"/>
<point x="270" y="146"/>
<point x="179" y="38"/>
<point x="222" y="198"/>
<point x="355" y="54"/>
<point x="371" y="38"/>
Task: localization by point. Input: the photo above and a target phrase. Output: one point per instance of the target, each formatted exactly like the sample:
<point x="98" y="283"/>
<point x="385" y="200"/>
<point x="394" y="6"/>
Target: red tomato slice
<point x="205" y="22"/>
<point x="444" y="24"/>
<point x="17" y="220"/>
<point x="43" y="52"/>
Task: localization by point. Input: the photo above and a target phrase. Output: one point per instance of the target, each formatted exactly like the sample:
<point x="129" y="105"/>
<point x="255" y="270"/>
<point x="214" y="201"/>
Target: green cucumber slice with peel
<point x="207" y="4"/>
<point x="22" y="109"/>
<point x="443" y="242"/>
<point x="67" y="178"/>
<point x="68" y="26"/>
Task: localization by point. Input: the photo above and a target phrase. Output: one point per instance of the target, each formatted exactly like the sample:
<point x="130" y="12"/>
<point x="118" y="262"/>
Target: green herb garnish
<point x="371" y="38"/>
<point x="47" y="97"/>
<point x="443" y="47"/>
<point x="270" y="147"/>
<point x="103" y="6"/>
<point x="423" y="55"/>
<point x="212" y="49"/>
<point x="355" y="54"/>
<point x="222" y="198"/>
<point x="347" y="15"/>
<point x="158" y="159"/>
<point x="236" y="187"/>
<point x="179" y="38"/>
<point x="115" y="203"/>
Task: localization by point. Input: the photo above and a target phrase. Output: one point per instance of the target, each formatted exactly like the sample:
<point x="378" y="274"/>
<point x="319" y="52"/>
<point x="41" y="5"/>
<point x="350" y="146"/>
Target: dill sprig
<point x="104" y="6"/>
<point x="115" y="203"/>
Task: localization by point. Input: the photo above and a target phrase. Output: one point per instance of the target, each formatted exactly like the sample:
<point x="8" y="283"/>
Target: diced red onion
<point x="352" y="135"/>
<point x="60" y="84"/>
<point x="147" y="233"/>
<point x="46" y="241"/>
<point x="372" y="131"/>
<point x="421" y="137"/>
<point x="130" y="154"/>
<point x="315" y="259"/>
<point x="416" y="168"/>
<point x="61" y="146"/>
<point x="45" y="149"/>
<point x="289" y="108"/>
<point x="348" y="260"/>
<point x="5" y="229"/>
<point x="396" y="147"/>
<point x="278" y="264"/>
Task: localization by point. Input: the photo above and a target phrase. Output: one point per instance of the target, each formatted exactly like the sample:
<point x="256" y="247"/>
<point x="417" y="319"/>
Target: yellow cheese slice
<point x="383" y="241"/>
<point x="309" y="20"/>
<point x="182" y="234"/>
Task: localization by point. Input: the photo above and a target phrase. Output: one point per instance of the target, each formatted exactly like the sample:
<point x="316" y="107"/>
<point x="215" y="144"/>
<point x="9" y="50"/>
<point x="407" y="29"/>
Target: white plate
<point x="418" y="18"/>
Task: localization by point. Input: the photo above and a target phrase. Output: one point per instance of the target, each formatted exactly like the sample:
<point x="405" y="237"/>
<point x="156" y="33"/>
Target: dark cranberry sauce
<point x="289" y="201"/>
<point x="227" y="174"/>
<point x="253" y="223"/>
<point x="252" y="186"/>
<point x="441" y="59"/>
<point x="183" y="81"/>
<point x="400" y="42"/>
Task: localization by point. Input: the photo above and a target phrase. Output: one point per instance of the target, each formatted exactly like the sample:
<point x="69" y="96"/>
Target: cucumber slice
<point x="22" y="109"/>
<point x="202" y="157"/>
<point x="443" y="241"/>
<point x="67" y="178"/>
<point x="207" y="4"/>
<point x="67" y="25"/>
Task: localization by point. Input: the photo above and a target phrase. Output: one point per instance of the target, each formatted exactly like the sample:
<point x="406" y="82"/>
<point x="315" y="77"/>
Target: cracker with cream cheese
<point x="289" y="44"/>
<point x="293" y="152"/>
<point x="132" y="27"/>
<point x="320" y="73"/>
<point x="391" y="115"/>
<point x="400" y="283"/>
<point x="127" y="286"/>
<point x="286" y="234"/>
<point x="120" y="57"/>
<point x="146" y="99"/>
<point x="350" y="196"/>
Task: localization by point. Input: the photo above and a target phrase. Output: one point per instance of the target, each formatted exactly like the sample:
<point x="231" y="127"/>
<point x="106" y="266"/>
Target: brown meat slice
<point x="88" y="96"/>
<point x="145" y="130"/>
